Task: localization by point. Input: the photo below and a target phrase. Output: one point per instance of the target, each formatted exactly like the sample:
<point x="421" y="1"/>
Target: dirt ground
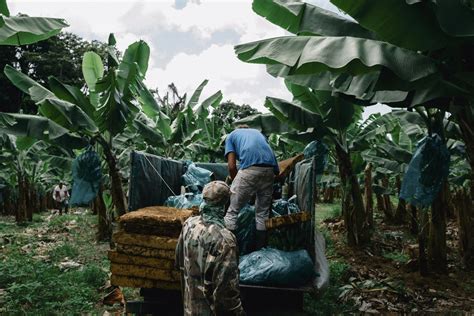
<point x="384" y="277"/>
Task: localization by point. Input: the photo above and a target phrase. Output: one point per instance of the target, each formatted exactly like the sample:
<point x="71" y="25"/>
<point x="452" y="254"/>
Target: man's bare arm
<point x="232" y="164"/>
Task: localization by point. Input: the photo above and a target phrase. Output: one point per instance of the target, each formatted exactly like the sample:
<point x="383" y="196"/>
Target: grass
<point x="328" y="302"/>
<point x="31" y="273"/>
<point x="326" y="211"/>
<point x="397" y="256"/>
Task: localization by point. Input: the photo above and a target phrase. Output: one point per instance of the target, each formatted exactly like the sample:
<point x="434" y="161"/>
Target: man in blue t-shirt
<point x="258" y="167"/>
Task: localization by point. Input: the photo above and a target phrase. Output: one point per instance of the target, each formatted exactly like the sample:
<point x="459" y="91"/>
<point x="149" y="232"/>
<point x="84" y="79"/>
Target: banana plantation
<point x="391" y="205"/>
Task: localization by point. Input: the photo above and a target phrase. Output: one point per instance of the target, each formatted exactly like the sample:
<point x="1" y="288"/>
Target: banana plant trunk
<point x="352" y="203"/>
<point x="464" y="206"/>
<point x="466" y="124"/>
<point x="437" y="236"/>
<point x="7" y="201"/>
<point x="368" y="195"/>
<point x="20" y="215"/>
<point x="401" y="211"/>
<point x="99" y="208"/>
<point x="422" y="237"/>
<point x="413" y="220"/>
<point x="118" y="195"/>
<point x="387" y="204"/>
<point x="29" y="200"/>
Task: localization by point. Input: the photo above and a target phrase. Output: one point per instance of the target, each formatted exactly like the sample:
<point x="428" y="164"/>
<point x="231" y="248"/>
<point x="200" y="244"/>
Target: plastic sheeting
<point x="153" y="179"/>
<point x="87" y="177"/>
<point x="275" y="267"/>
<point x="284" y="207"/>
<point x="195" y="178"/>
<point x="426" y="172"/>
<point x="245" y="232"/>
<point x="219" y="170"/>
<point x="185" y="201"/>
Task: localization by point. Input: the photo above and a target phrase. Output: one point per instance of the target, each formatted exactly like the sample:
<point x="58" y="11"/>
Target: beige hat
<point x="216" y="193"/>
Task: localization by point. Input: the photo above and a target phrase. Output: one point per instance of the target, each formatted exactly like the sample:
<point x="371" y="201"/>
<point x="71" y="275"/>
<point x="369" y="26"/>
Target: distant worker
<point x="258" y="167"/>
<point x="207" y="256"/>
<point x="61" y="196"/>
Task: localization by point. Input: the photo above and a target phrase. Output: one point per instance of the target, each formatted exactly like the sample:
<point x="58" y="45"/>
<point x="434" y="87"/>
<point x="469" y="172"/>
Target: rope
<point x="167" y="185"/>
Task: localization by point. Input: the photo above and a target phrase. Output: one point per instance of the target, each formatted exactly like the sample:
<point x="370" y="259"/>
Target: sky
<point x="190" y="40"/>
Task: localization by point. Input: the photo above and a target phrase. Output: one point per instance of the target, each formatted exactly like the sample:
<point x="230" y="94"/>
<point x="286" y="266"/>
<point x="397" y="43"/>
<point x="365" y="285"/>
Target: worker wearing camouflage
<point x="207" y="256"/>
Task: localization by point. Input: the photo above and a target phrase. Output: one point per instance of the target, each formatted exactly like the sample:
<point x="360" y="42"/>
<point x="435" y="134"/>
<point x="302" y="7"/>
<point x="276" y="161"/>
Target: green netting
<point x="275" y="267"/>
<point x="87" y="177"/>
<point x="428" y="169"/>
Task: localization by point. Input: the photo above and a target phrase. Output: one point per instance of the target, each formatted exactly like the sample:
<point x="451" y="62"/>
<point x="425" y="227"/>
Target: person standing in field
<point x="206" y="254"/>
<point x="258" y="167"/>
<point x="61" y="196"/>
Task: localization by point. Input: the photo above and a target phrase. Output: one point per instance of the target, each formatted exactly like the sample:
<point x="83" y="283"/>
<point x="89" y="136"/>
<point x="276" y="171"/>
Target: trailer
<point x="153" y="179"/>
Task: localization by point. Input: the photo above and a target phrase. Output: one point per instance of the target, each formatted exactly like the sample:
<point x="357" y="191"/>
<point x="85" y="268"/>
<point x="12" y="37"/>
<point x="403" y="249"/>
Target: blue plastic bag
<point x="320" y="151"/>
<point x="185" y="201"/>
<point x="195" y="178"/>
<point x="245" y="232"/>
<point x="283" y="207"/>
<point x="87" y="176"/>
<point x="270" y="266"/>
<point x="428" y="169"/>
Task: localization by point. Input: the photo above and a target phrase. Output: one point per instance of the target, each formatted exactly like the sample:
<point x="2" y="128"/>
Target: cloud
<point x="240" y="82"/>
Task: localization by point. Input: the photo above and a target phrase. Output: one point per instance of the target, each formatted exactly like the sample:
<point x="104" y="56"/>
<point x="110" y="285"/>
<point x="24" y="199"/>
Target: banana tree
<point x="98" y="116"/>
<point x="325" y="116"/>
<point x="381" y="57"/>
<point x="191" y="133"/>
<point x="31" y="169"/>
<point x="23" y="30"/>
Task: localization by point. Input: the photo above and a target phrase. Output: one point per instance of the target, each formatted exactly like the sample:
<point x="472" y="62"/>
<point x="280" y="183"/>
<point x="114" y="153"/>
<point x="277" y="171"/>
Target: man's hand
<point x="232" y="164"/>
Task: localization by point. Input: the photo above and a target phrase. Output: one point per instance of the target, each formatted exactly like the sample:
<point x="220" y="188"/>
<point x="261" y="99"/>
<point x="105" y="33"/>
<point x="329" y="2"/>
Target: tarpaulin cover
<point x="147" y="180"/>
<point x="87" y="177"/>
<point x="319" y="151"/>
<point x="245" y="232"/>
<point x="185" y="201"/>
<point x="428" y="169"/>
<point x="195" y="178"/>
<point x="275" y="267"/>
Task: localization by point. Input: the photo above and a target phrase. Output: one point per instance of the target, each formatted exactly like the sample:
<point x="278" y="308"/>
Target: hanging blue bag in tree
<point x="319" y="151"/>
<point x="428" y="169"/>
<point x="87" y="176"/>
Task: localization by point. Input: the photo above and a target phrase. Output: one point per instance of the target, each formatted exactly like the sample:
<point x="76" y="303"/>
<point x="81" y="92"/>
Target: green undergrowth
<point x="52" y="266"/>
<point x="397" y="256"/>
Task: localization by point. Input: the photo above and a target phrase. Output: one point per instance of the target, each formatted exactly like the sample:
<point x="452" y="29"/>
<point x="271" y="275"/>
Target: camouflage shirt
<point x="207" y="255"/>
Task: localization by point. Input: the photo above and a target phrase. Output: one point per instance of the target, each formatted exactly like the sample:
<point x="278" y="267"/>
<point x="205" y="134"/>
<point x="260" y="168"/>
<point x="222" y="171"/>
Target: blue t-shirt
<point x="251" y="148"/>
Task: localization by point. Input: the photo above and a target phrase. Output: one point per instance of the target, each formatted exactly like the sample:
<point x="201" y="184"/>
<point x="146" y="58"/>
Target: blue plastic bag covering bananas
<point x="185" y="201"/>
<point x="87" y="176"/>
<point x="270" y="266"/>
<point x="320" y="151"/>
<point x="428" y="169"/>
<point x="195" y="178"/>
